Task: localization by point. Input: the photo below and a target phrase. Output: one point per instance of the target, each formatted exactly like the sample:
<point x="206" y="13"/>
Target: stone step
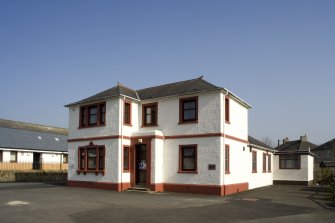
<point x="138" y="189"/>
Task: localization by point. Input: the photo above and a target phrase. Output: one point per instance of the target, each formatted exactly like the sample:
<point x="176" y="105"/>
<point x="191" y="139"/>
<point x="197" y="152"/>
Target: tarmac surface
<point x="43" y="202"/>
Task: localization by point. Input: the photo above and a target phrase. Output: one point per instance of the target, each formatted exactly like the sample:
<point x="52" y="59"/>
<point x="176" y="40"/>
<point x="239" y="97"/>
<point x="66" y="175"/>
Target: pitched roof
<point x="196" y="85"/>
<point x="257" y="142"/>
<point x="295" y="146"/>
<point x="19" y="135"/>
<point x="330" y="145"/>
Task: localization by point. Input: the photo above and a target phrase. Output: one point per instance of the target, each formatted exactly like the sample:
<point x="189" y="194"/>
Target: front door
<point x="141" y="165"/>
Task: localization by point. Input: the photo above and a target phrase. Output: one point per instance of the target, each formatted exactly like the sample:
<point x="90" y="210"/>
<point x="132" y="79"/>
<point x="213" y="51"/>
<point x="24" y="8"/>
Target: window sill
<point x="126" y="171"/>
<point x="125" y="124"/>
<point x="264" y="171"/>
<point x="188" y="122"/>
<point x="228" y="122"/>
<point x="91" y="171"/>
<point x="91" y="126"/>
<point x="193" y="172"/>
<point x="148" y="126"/>
<point x="227" y="172"/>
<point x="254" y="171"/>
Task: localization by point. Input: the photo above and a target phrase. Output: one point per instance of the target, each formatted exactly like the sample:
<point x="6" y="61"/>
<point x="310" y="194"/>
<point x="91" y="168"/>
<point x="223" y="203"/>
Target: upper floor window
<point x="254" y="161"/>
<point x="149" y="114"/>
<point x="227" y="110"/>
<point x="127" y="113"/>
<point x="92" y="115"/>
<point x="188" y="109"/>
<point x="188" y="158"/>
<point x="289" y="161"/>
<point x="91" y="158"/>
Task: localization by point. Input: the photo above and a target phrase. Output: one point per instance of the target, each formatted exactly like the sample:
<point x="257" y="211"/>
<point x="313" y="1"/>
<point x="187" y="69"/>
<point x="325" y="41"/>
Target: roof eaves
<point x="261" y="147"/>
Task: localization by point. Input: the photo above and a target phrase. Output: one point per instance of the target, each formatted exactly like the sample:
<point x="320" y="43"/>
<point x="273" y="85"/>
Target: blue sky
<point x="279" y="56"/>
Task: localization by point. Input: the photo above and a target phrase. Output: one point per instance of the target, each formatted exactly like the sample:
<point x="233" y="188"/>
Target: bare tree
<point x="268" y="141"/>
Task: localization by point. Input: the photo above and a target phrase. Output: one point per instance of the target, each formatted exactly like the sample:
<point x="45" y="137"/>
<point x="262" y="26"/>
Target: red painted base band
<point x="180" y="188"/>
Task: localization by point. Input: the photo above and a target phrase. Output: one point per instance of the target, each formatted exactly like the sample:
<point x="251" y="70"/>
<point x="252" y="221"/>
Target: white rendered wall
<point x="208" y="152"/>
<point x="168" y="116"/>
<point x="260" y="179"/>
<point x="240" y="163"/>
<point x="157" y="161"/>
<point x="305" y="173"/>
<point x="111" y="127"/>
<point x="112" y="162"/>
<point x="238" y="126"/>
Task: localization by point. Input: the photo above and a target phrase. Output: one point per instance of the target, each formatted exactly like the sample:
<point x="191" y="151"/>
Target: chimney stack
<point x="303" y="138"/>
<point x="286" y="140"/>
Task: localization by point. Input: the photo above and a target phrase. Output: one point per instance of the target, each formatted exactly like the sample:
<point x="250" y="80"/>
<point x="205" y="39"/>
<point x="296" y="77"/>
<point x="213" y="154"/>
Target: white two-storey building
<point x="188" y="136"/>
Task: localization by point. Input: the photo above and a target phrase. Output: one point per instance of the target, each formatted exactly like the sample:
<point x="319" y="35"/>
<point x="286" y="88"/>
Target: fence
<point x="33" y="166"/>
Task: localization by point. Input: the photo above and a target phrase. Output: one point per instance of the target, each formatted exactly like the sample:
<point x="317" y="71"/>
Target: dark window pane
<point x="83" y="117"/>
<point x="189" y="105"/>
<point x="102" y="114"/>
<point x="82" y="159"/>
<point x="188" y="159"/>
<point x="91" y="159"/>
<point x="126" y="158"/>
<point x="93" y="118"/>
<point x="1" y="156"/>
<point x="101" y="158"/>
<point x="189" y="114"/>
<point x="188" y="163"/>
<point x="150" y="115"/>
<point x="188" y="151"/>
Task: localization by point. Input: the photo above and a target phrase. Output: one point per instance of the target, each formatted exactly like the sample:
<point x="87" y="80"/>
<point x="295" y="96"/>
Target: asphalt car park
<point x="48" y="202"/>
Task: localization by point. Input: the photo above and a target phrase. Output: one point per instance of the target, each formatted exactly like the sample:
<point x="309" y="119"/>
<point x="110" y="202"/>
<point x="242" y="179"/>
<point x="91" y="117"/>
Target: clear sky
<point x="279" y="56"/>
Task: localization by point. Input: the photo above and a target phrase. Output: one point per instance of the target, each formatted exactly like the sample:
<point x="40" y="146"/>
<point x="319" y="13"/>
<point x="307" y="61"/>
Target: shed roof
<point x="19" y="135"/>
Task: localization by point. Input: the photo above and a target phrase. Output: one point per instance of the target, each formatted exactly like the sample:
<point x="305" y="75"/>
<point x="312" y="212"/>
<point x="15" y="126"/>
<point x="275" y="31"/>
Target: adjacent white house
<point x="294" y="162"/>
<point x="26" y="146"/>
<point x="189" y="136"/>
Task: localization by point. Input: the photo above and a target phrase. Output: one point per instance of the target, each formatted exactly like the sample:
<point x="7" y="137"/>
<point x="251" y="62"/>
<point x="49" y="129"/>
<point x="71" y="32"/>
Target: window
<point x="91" y="158"/>
<point x="269" y="163"/>
<point x="1" y="159"/>
<point x="289" y="161"/>
<point x="65" y="158"/>
<point x="227" y="110"/>
<point x="227" y="158"/>
<point x="126" y="158"/>
<point x="127" y="113"/>
<point x="149" y="114"/>
<point x="13" y="156"/>
<point x="254" y="161"/>
<point x="264" y="162"/>
<point x="188" y="158"/>
<point x="188" y="109"/>
<point x="92" y="115"/>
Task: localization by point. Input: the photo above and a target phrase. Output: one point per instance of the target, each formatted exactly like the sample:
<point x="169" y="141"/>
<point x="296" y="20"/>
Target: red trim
<point x="159" y="187"/>
<point x="235" y="188"/>
<point x="159" y="137"/>
<point x="193" y="188"/>
<point x="236" y="139"/>
<point x="99" y="185"/>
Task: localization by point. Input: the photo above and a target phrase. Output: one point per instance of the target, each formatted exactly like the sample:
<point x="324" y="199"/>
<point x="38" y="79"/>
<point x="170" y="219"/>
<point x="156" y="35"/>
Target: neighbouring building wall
<point x="304" y="175"/>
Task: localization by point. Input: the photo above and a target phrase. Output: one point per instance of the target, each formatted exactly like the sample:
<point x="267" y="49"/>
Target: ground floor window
<point x="227" y="156"/>
<point x="188" y="158"/>
<point x="91" y="158"/>
<point x="13" y="156"/>
<point x="289" y="161"/>
<point x="1" y="156"/>
<point x="269" y="163"/>
<point x="264" y="162"/>
<point x="126" y="152"/>
<point x="65" y="158"/>
<point x="254" y="161"/>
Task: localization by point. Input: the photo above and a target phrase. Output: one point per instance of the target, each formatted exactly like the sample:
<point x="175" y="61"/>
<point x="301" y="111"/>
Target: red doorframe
<point x="147" y="143"/>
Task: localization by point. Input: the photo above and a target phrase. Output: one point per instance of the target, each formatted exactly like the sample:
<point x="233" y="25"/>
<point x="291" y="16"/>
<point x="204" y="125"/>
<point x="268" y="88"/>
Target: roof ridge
<point x="5" y="123"/>
<point x="124" y="86"/>
<point x="201" y="77"/>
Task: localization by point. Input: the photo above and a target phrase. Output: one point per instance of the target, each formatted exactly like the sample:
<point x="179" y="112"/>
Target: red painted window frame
<point x="227" y="159"/>
<point x="127" y="113"/>
<point x="100" y="151"/>
<point x="182" y="101"/>
<point x="144" y="114"/>
<point x="227" y="110"/>
<point x="181" y="158"/>
<point x="264" y="162"/>
<point x="84" y="115"/>
<point x="254" y="161"/>
<point x="126" y="168"/>
<point x="269" y="163"/>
